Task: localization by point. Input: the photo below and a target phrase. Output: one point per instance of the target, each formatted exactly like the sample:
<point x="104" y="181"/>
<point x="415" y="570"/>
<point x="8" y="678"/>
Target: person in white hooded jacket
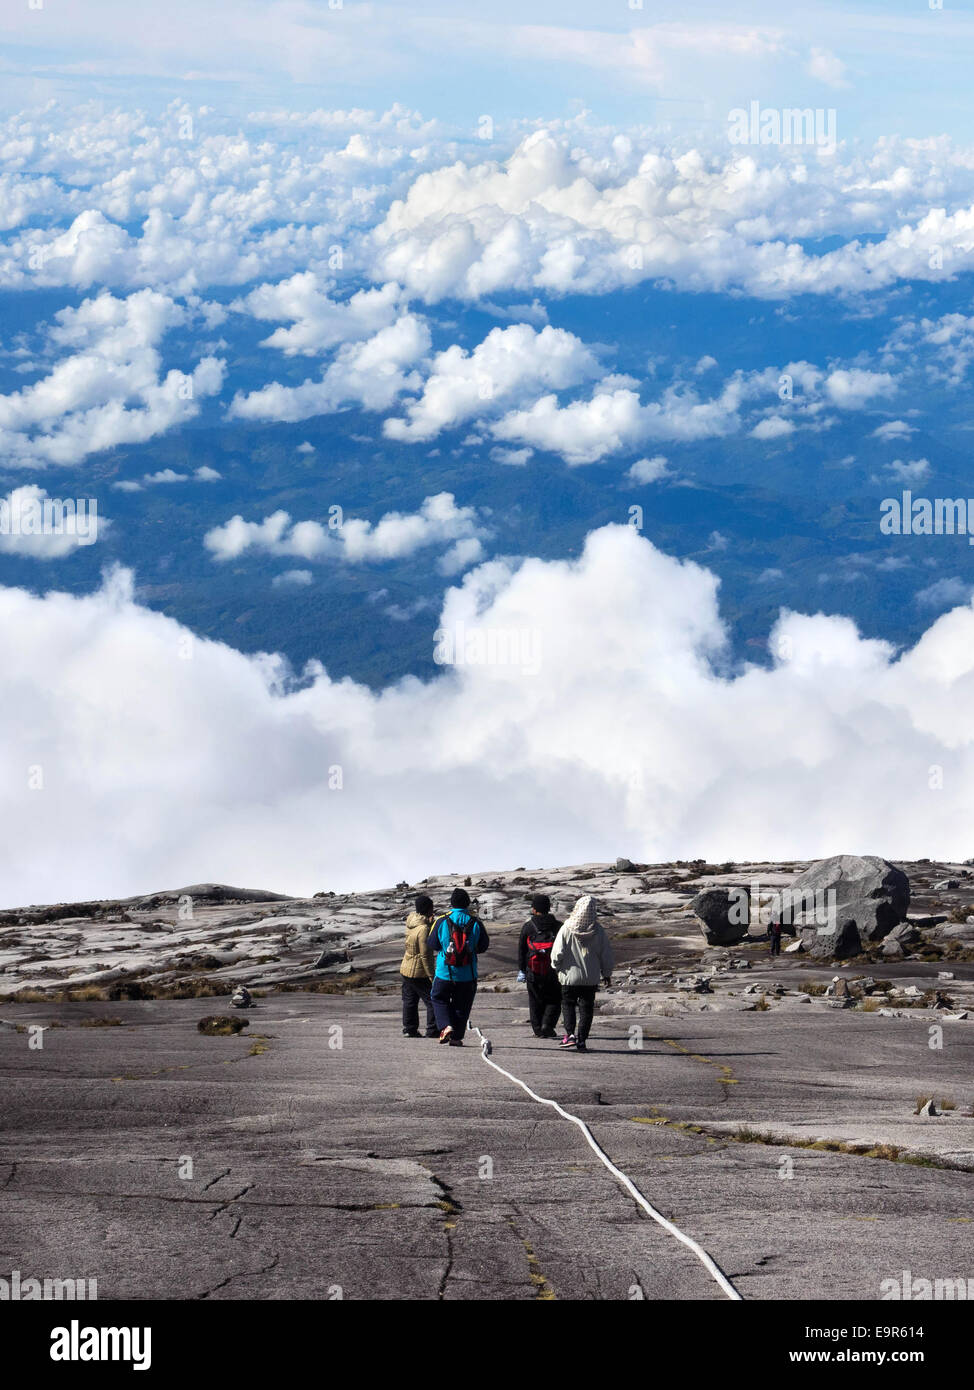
<point x="582" y="956"/>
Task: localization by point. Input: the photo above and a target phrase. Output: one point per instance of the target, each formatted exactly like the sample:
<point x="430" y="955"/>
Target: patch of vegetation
<point x="909" y="1002"/>
<point x="221" y="1025"/>
<point x="358" y="979"/>
<point x="101" y="1022"/>
<point x="640" y="931"/>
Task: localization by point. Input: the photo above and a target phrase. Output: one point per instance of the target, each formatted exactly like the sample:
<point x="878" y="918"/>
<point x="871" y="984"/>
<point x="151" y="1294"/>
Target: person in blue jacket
<point x="458" y="939"/>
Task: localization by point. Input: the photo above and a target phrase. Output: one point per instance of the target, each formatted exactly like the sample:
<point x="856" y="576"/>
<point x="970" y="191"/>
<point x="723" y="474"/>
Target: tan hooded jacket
<point x="417" y="960"/>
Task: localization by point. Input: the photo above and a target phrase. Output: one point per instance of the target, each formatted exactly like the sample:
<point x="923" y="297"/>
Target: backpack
<point x="459" y="952"/>
<point x="539" y="957"/>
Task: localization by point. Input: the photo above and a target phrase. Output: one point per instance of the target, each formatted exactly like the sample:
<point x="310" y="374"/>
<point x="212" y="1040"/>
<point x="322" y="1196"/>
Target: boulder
<point x="719" y="909"/>
<point x="844" y="941"/>
<point x="947" y="886"/>
<point x="625" y="866"/>
<point x="864" y="890"/>
<point x="893" y="949"/>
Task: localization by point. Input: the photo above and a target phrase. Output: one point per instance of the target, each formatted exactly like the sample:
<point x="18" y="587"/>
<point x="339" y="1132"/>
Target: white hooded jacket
<point x="582" y="954"/>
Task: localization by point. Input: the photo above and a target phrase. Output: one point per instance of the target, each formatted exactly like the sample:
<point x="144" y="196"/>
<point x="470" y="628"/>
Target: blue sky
<point x="888" y="68"/>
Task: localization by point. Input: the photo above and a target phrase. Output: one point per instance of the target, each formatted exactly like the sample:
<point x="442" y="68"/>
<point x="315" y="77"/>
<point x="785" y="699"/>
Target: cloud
<point x="945" y="593"/>
<point x="913" y="472"/>
<point x="944" y="347"/>
<point x="320" y="322"/>
<point x="613" y="419"/>
<point x="551" y="218"/>
<point x="772" y="427"/>
<point x="109" y="390"/>
<point x="222" y="763"/>
<point x="853" y="388"/>
<point x="648" y="470"/>
<point x="372" y="374"/>
<point x="827" y="67"/>
<point x="513" y="458"/>
<point x="892" y="430"/>
<point x="292" y="579"/>
<point x="511" y="364"/>
<point x="439" y="521"/>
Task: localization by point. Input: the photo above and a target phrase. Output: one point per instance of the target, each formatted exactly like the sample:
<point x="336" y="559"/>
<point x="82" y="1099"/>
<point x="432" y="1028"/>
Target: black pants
<point x="544" y="1001"/>
<point x="581" y="997"/>
<point x="453" y="1000"/>
<point x="412" y="992"/>
<point x="776" y="945"/>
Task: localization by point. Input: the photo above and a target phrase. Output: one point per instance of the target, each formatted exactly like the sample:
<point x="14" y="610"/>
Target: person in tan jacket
<point x="417" y="969"/>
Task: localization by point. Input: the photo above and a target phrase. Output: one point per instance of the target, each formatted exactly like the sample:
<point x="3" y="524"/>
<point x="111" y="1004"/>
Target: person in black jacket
<point x="534" y="963"/>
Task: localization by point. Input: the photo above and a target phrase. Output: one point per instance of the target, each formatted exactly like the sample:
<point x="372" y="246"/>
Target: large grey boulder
<point x="724" y="913"/>
<point x="838" y="945"/>
<point x="864" y="890"/>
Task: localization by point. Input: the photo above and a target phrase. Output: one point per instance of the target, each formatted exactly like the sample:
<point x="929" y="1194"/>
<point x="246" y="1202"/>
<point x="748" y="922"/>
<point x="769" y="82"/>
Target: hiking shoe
<point x="456" y="1042"/>
<point x="538" y="1033"/>
<point x="409" y="1035"/>
<point x="547" y="1033"/>
<point x="581" y="1047"/>
<point x="568" y="1040"/>
<point x="447" y="1034"/>
<point x="432" y="1033"/>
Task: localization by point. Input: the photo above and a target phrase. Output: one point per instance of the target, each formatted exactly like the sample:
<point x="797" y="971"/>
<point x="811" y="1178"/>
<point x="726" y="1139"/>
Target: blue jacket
<point x="439" y="940"/>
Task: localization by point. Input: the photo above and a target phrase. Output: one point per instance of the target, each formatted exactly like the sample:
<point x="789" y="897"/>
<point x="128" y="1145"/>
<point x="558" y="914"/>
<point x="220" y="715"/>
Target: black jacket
<point x="540" y="927"/>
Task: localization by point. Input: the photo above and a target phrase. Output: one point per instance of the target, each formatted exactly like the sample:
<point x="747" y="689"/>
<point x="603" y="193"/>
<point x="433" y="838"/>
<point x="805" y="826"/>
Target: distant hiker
<point x="582" y="956"/>
<point x="534" y="962"/>
<point x="417" y="970"/>
<point x="458" y="939"/>
<point x="774" y="936"/>
<point x="241" y="998"/>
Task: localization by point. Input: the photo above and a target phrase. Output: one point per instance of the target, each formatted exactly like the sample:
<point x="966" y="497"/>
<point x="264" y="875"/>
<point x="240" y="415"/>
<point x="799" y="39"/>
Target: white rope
<point x="728" y="1288"/>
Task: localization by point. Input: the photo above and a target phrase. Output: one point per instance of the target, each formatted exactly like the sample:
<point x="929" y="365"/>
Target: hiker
<point x="582" y="956"/>
<point x="774" y="935"/>
<point x="417" y="970"/>
<point x="534" y="964"/>
<point x="458" y="939"/>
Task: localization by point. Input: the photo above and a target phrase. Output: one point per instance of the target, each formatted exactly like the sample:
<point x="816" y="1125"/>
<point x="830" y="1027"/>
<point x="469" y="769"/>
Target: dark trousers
<point x="452" y="1002"/>
<point x="544" y="1001"/>
<point x="412" y="992"/>
<point x="582" y="998"/>
<point x="776" y="945"/>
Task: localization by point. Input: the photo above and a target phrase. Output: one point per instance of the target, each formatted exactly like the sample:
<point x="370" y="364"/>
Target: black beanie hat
<point x="541" y="902"/>
<point x="424" y="906"/>
<point x="459" y="898"/>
